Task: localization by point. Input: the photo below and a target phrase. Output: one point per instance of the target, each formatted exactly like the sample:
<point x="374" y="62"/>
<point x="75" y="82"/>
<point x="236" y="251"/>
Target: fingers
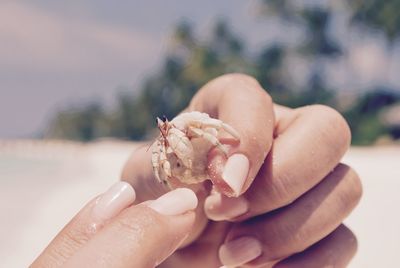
<point x="138" y="172"/>
<point x="294" y="228"/>
<point x="335" y="250"/>
<point x="86" y="224"/>
<point x="239" y="101"/>
<point x="142" y="235"/>
<point x="309" y="142"/>
<point x="203" y="252"/>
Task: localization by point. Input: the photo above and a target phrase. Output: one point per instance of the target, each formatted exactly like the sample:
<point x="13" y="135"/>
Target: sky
<point x="57" y="53"/>
<point x="54" y="53"/>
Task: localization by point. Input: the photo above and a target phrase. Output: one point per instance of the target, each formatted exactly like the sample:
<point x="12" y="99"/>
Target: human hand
<point x="110" y="232"/>
<point x="292" y="191"/>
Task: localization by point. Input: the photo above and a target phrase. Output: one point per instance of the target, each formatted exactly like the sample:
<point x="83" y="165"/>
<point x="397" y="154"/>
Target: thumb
<point x="142" y="235"/>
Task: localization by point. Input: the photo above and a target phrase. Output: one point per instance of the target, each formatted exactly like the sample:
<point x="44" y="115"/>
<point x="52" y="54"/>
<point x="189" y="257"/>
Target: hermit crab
<point x="180" y="152"/>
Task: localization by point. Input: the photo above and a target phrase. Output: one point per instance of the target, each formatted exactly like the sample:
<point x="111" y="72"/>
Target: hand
<point x="292" y="191"/>
<point x="110" y="232"/>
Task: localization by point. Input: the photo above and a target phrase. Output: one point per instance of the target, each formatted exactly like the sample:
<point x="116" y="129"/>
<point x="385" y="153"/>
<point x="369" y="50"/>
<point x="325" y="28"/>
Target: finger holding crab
<point x="227" y="142"/>
<point x="295" y="189"/>
<point x="241" y="104"/>
<point x="180" y="154"/>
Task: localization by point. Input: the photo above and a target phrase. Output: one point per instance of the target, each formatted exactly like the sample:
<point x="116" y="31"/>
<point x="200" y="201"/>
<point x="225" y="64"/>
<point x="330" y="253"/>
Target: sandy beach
<point x="44" y="183"/>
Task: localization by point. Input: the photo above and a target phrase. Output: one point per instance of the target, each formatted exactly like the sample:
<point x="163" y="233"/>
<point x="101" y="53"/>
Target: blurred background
<point x="83" y="71"/>
<point x="78" y="71"/>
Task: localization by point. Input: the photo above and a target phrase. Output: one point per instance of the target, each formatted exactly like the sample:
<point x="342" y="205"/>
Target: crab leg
<point x="155" y="156"/>
<point x="231" y="131"/>
<point x="158" y="158"/>
<point x="214" y="140"/>
<point x="218" y="124"/>
<point x="164" y="162"/>
<point x="180" y="144"/>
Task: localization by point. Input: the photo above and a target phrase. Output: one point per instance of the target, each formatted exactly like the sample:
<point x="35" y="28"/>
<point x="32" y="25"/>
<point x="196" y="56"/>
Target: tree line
<point x="192" y="61"/>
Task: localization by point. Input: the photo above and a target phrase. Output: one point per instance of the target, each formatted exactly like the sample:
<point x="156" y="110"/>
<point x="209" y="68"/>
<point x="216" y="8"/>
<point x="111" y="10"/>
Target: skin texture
<point x="296" y="194"/>
<point x="134" y="236"/>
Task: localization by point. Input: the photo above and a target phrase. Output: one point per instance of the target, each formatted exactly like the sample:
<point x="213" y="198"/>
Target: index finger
<point x="142" y="235"/>
<point x="239" y="101"/>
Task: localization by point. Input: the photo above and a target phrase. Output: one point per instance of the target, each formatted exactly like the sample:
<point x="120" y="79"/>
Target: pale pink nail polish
<point x="240" y="251"/>
<point x="176" y="202"/>
<point x="235" y="172"/>
<point x="219" y="207"/>
<point x="114" y="200"/>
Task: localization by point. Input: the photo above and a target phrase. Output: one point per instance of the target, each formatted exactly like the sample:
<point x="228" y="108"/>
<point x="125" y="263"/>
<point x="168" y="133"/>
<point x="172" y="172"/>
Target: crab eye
<point x="164" y="118"/>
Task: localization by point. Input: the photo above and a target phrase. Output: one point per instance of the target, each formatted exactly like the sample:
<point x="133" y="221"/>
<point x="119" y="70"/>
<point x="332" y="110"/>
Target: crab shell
<point x="180" y="155"/>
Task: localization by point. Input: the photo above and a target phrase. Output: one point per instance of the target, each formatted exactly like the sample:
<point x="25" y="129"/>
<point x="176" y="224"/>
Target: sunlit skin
<point x="304" y="145"/>
<point x="297" y="193"/>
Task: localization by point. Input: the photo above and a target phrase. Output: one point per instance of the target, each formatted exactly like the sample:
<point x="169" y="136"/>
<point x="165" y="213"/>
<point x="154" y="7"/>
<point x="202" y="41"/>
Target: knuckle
<point x="226" y="84"/>
<point x="354" y="191"/>
<point x="335" y="126"/>
<point x="271" y="192"/>
<point x="231" y="84"/>
<point x="56" y="257"/>
<point x="281" y="190"/>
<point x="71" y="240"/>
<point x="231" y="81"/>
<point x="349" y="239"/>
<point x="350" y="191"/>
<point x="76" y="238"/>
<point x="285" y="240"/>
<point x="234" y="77"/>
<point x="125" y="225"/>
<point x="144" y="216"/>
<point x="134" y="227"/>
<point x="257" y="144"/>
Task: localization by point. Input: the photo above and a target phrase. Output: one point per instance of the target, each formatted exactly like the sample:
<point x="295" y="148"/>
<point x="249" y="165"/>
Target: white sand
<point x="43" y="184"/>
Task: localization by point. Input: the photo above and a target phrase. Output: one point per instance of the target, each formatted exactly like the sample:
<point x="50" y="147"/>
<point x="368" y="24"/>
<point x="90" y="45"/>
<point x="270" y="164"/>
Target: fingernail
<point x="219" y="207"/>
<point x="240" y="251"/>
<point x="114" y="200"/>
<point x="235" y="172"/>
<point x="176" y="202"/>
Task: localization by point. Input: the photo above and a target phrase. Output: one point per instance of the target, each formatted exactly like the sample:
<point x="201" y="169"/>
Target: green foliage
<point x="363" y="116"/>
<point x="378" y="14"/>
<point x="81" y="123"/>
<point x="367" y="129"/>
<point x="192" y="62"/>
<point x="318" y="40"/>
<point x="269" y="72"/>
<point x="282" y="8"/>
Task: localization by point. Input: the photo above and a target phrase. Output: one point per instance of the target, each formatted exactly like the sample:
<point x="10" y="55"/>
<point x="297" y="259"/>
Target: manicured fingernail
<point x="240" y="251"/>
<point x="235" y="172"/>
<point x="219" y="207"/>
<point x="114" y="200"/>
<point x="176" y="202"/>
